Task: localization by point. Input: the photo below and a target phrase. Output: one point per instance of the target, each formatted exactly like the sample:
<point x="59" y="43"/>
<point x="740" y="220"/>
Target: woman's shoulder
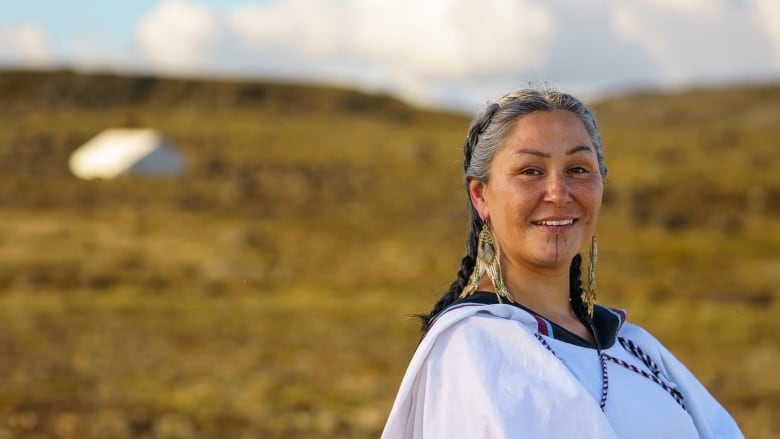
<point x="635" y="332"/>
<point x="478" y="313"/>
<point x="483" y="337"/>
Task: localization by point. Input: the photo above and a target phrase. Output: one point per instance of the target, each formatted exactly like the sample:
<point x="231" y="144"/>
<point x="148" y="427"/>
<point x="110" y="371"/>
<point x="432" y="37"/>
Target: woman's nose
<point x="557" y="190"/>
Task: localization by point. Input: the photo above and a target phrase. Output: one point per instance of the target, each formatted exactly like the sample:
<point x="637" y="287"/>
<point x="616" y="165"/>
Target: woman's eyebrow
<point x="536" y="152"/>
<point x="579" y="148"/>
<point x="532" y="152"/>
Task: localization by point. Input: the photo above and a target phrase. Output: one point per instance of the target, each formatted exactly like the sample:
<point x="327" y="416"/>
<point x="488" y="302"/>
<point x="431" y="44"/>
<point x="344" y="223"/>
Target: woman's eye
<point x="530" y="171"/>
<point x="578" y="170"/>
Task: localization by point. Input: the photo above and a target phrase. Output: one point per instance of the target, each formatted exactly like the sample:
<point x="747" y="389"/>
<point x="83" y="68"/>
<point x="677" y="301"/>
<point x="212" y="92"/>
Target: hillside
<point x="185" y="305"/>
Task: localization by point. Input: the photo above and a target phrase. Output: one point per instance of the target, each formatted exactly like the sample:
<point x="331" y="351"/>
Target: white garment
<point x="481" y="372"/>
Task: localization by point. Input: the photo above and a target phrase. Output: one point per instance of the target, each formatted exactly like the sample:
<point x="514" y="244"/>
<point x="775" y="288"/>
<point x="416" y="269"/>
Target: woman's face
<point x="544" y="191"/>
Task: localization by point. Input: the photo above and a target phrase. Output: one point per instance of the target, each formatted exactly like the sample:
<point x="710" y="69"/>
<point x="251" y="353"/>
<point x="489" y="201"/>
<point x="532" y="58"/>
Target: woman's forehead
<point x="548" y="129"/>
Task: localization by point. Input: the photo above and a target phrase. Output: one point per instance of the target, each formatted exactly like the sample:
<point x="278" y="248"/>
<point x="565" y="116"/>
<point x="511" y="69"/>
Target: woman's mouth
<point x="554" y="222"/>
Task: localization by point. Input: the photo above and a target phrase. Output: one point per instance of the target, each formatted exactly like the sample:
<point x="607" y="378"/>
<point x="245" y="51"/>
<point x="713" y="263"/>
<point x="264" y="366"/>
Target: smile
<point x="563" y="222"/>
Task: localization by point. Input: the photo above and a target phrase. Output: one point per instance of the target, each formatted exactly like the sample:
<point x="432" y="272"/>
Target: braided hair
<point x="484" y="139"/>
<point x="468" y="262"/>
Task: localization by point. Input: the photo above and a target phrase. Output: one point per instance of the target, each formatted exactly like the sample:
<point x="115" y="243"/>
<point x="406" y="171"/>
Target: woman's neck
<point x="545" y="291"/>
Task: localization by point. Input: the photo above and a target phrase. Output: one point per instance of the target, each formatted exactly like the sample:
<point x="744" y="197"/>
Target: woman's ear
<point x="477" y="195"/>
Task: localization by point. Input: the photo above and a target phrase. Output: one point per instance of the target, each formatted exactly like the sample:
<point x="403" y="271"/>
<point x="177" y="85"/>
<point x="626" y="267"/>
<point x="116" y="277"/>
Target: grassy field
<point x="267" y="292"/>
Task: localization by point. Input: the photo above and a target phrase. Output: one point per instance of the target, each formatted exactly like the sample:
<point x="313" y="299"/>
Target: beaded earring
<point x="488" y="261"/>
<point x="589" y="293"/>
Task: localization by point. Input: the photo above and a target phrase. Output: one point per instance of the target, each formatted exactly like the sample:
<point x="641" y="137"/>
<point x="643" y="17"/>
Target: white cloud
<point x="452" y="49"/>
<point x="767" y="14"/>
<point x="688" y="41"/>
<point x="687" y="8"/>
<point x="308" y="27"/>
<point x="432" y="39"/>
<point x="441" y="52"/>
<point x="24" y="44"/>
<point x="178" y="36"/>
<point x="463" y="52"/>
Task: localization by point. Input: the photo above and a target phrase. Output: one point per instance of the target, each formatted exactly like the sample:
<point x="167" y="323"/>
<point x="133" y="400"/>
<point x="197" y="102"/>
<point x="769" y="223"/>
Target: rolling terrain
<point x="267" y="292"/>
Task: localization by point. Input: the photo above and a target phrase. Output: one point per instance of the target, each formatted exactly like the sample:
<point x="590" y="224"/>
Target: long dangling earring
<point x="589" y="293"/>
<point x="488" y="261"/>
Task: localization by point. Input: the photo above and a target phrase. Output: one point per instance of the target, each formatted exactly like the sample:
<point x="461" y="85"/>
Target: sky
<point x="455" y="54"/>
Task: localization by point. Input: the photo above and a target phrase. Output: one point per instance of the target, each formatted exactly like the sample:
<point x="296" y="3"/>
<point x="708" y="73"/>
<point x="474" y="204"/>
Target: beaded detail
<point x="604" y="380"/>
<point x="636" y="351"/>
<point x="604" y="372"/>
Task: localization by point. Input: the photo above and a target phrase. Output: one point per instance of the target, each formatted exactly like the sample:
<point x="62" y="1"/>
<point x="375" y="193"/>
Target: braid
<point x="575" y="291"/>
<point x="462" y="279"/>
<point x="468" y="261"/>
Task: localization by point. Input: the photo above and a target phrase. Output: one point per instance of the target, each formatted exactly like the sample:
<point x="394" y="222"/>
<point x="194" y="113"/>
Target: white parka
<point x="482" y="371"/>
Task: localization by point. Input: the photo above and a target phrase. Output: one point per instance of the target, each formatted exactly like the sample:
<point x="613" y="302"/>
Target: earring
<point x="589" y="293"/>
<point x="488" y="261"/>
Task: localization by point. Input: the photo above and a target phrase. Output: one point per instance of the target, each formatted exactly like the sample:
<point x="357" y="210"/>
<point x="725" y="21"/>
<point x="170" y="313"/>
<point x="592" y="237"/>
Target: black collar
<point x="606" y="322"/>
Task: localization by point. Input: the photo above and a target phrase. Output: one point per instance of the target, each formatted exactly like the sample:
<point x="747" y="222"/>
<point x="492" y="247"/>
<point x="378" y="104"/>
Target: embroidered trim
<point x="543" y="325"/>
<point x="604" y="371"/>
<point x="544" y="343"/>
<point x="636" y="351"/>
<point x="656" y="377"/>
<point x="604" y="381"/>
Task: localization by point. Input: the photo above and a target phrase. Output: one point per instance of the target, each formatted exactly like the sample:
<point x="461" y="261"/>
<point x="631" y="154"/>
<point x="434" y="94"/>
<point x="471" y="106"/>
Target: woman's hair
<point x="485" y="138"/>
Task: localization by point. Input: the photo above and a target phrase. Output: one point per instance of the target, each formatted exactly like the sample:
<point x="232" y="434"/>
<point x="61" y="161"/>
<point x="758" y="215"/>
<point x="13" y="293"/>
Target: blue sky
<point x="452" y="53"/>
<point x="113" y="21"/>
<point x="70" y="25"/>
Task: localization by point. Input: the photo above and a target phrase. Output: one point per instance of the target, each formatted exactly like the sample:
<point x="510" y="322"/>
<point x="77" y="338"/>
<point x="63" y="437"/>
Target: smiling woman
<point x="516" y="347"/>
<point x="541" y="201"/>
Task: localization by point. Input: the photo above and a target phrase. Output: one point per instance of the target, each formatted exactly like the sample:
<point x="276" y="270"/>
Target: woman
<point x="516" y="348"/>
